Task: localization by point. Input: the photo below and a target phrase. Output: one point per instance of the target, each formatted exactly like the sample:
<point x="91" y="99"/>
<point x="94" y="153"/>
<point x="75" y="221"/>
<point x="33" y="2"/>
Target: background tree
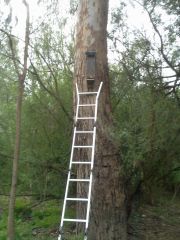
<point x="21" y="74"/>
<point x="149" y="66"/>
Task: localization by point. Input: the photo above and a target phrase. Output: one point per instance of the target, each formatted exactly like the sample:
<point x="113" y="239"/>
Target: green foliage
<point x="147" y="128"/>
<point x="22" y="210"/>
<point x="45" y="130"/>
<point x="145" y="98"/>
<point x="77" y="238"/>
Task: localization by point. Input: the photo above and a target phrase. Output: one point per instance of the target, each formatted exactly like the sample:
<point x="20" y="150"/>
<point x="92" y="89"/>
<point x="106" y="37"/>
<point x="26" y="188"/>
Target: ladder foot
<point x="85" y="234"/>
<point x="60" y="237"/>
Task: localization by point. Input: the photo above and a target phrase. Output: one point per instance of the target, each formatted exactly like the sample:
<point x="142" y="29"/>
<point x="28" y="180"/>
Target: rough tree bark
<point x="108" y="211"/>
<point x="21" y="78"/>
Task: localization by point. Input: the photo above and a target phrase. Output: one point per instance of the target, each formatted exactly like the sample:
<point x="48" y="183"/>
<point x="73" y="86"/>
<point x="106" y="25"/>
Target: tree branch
<point x="14" y="59"/>
<point x="26" y="41"/>
<point x="161" y="40"/>
<point x="50" y="92"/>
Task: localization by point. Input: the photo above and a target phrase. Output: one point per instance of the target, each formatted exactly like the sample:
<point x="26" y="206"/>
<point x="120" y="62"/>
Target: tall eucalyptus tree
<point x="108" y="214"/>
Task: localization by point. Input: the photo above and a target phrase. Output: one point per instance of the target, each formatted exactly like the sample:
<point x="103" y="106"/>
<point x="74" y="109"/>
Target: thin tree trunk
<point x="11" y="228"/>
<point x="20" y="92"/>
<point x="108" y="212"/>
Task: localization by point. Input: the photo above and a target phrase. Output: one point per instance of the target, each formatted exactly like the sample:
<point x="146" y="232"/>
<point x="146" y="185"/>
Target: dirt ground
<point x="157" y="222"/>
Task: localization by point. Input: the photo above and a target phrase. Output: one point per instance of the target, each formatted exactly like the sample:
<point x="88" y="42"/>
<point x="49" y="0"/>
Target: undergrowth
<point x="37" y="220"/>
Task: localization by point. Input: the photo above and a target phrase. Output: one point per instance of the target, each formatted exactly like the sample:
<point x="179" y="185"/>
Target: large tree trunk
<point x="108" y="214"/>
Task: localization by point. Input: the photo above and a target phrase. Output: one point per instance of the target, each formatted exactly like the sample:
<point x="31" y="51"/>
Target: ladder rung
<point x="77" y="199"/>
<point x="87" y="93"/>
<point x="78" y="180"/>
<point x="86" y="105"/>
<point x="84" y="131"/>
<point x="81" y="162"/>
<point x="83" y="146"/>
<point x="85" y="118"/>
<point x="74" y="220"/>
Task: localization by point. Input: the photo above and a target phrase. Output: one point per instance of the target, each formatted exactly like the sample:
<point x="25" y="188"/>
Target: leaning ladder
<point x="72" y="162"/>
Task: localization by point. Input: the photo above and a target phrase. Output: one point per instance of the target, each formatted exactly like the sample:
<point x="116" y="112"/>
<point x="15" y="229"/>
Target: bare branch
<point x="161" y="40"/>
<point x="50" y="92"/>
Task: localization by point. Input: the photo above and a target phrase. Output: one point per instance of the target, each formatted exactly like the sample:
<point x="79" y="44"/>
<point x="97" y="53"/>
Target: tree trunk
<point x="11" y="228"/>
<point x="20" y="92"/>
<point x="108" y="212"/>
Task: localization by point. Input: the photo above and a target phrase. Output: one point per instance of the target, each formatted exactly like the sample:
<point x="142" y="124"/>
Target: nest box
<point x="90" y="67"/>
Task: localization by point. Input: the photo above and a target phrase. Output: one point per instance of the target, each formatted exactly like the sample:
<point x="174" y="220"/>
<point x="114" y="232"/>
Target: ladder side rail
<point x="77" y="107"/>
<point x="93" y="149"/>
<point x="96" y="103"/>
<point x="67" y="185"/>
<point x="64" y="204"/>
<point x="96" y="107"/>
<point x="90" y="183"/>
<point x="72" y="149"/>
<point x="88" y="204"/>
<point x="99" y="90"/>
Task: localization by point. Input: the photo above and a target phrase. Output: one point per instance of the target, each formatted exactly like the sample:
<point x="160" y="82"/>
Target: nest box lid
<point x="91" y="53"/>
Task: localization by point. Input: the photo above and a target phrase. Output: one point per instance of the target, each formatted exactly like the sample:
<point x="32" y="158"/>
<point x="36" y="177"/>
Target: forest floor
<point x="37" y="220"/>
<point x="160" y="221"/>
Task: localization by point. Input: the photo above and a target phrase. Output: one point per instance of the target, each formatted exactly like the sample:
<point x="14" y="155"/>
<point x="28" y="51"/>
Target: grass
<point x="77" y="238"/>
<point x="33" y="221"/>
<point x="40" y="220"/>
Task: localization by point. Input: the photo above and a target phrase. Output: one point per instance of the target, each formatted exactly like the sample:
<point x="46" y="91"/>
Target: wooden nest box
<point x="90" y="67"/>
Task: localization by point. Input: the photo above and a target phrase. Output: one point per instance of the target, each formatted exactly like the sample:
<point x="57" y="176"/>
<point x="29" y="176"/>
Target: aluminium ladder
<point x="72" y="162"/>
